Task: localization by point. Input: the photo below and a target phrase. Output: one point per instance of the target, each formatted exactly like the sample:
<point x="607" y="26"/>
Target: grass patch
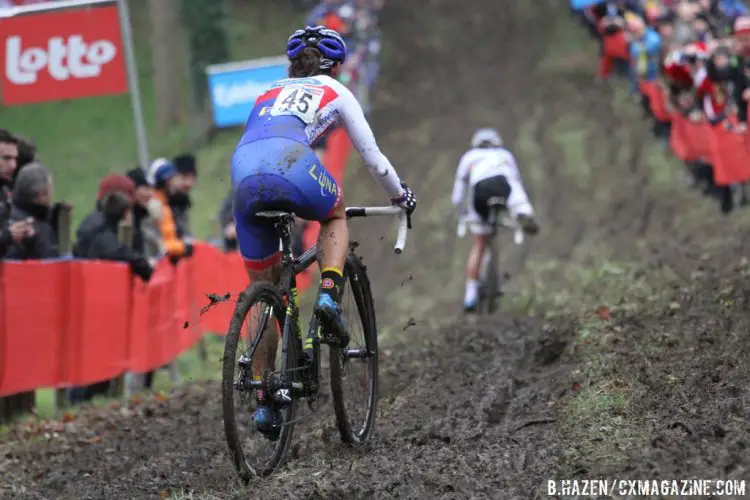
<point x="597" y="427"/>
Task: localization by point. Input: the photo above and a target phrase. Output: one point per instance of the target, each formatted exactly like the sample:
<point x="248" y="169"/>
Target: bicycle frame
<point x="288" y="287"/>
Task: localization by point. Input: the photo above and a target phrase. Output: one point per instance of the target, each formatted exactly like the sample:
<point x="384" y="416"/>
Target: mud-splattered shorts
<point x="276" y="174"/>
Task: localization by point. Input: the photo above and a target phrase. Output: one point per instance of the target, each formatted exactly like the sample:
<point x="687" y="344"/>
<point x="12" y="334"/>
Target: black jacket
<point x="139" y="214"/>
<point x="180" y="204"/>
<point x="5" y="238"/>
<point x="43" y="245"/>
<point x="97" y="240"/>
<point x="740" y="83"/>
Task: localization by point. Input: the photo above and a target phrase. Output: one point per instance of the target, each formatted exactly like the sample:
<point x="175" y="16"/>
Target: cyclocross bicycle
<point x="489" y="275"/>
<point x="297" y="371"/>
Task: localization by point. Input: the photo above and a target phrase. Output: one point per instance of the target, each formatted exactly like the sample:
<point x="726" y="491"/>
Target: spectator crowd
<point x="688" y="63"/>
<point x="154" y="202"/>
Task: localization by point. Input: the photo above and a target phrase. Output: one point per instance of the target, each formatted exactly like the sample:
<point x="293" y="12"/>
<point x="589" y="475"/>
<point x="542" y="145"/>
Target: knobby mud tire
<point x="490" y="297"/>
<point x="356" y="277"/>
<point x="268" y="294"/>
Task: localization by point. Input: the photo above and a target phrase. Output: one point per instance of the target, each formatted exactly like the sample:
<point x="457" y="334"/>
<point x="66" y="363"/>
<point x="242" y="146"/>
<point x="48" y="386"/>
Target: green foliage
<point x="207" y="41"/>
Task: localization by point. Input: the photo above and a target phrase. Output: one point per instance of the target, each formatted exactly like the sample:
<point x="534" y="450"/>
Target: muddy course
<point x="622" y="347"/>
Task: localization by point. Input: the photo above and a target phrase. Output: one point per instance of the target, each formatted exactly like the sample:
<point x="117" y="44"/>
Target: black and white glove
<point x="407" y="200"/>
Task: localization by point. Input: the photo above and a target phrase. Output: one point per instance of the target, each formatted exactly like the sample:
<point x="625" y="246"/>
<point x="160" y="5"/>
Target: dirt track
<point x="494" y="410"/>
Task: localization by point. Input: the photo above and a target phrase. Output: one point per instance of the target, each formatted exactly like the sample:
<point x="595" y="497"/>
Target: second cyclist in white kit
<point x="487" y="170"/>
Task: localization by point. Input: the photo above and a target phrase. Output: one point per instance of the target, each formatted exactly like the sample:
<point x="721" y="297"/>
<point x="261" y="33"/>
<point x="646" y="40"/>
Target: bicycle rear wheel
<point x="358" y="363"/>
<point x="488" y="302"/>
<point x="267" y="299"/>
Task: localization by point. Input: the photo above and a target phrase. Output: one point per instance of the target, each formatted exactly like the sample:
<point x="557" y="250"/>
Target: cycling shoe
<point x="268" y="421"/>
<point x="470" y="307"/>
<point x="332" y="317"/>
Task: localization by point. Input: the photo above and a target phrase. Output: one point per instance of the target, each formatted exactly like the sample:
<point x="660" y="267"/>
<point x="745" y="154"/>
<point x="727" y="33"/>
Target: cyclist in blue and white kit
<point x="275" y="168"/>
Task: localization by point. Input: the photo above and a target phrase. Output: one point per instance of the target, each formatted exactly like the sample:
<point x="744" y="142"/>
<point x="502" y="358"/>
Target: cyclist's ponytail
<point x="307" y="64"/>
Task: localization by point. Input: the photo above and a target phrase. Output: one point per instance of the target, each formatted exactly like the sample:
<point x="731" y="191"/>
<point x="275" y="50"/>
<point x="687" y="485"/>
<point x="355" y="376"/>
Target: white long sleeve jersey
<point x="304" y="109"/>
<point x="479" y="164"/>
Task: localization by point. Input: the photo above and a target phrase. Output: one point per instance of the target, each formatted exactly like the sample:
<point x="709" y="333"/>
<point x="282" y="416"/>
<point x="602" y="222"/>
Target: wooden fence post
<point x="65" y="244"/>
<point x="118" y="386"/>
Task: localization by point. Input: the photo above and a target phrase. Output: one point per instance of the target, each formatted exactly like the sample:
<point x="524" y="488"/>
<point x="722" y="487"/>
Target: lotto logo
<point x="327" y="283"/>
<point x="62" y="60"/>
<point x="62" y="55"/>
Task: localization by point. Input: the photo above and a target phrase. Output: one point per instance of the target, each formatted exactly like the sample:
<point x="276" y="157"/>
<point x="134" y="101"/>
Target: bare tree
<point x="168" y="60"/>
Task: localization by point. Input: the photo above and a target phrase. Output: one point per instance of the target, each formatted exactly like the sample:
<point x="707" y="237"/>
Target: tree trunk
<point x="166" y="40"/>
<point x="207" y="42"/>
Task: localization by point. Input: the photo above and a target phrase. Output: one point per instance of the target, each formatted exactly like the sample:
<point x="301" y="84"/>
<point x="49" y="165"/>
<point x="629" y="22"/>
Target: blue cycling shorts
<point x="276" y="174"/>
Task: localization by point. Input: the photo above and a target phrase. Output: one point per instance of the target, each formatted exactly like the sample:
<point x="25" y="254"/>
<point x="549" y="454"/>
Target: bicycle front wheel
<point x="255" y="454"/>
<point x="354" y="370"/>
<point x="491" y="286"/>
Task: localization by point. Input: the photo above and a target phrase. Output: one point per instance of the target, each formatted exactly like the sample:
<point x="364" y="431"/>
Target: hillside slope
<point x="622" y="351"/>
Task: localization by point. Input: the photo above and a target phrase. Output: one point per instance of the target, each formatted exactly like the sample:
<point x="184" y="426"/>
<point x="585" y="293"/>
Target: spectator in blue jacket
<point x="732" y="8"/>
<point x="645" y="51"/>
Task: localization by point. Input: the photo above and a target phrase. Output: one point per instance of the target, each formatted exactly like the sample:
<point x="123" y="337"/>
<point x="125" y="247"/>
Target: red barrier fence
<point x="76" y="322"/>
<point x="727" y="151"/>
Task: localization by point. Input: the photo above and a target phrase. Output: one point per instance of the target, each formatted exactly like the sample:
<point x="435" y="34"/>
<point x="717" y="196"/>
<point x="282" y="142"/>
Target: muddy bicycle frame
<point x="292" y="266"/>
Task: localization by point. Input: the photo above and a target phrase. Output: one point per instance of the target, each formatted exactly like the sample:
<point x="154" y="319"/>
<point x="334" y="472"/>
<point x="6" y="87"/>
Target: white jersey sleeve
<point x="353" y="119"/>
<point x="461" y="181"/>
<point x="518" y="201"/>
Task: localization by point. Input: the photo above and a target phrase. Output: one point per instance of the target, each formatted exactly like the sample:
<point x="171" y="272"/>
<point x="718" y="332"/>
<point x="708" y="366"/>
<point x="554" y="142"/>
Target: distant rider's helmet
<point x="330" y="44"/>
<point x="486" y="137"/>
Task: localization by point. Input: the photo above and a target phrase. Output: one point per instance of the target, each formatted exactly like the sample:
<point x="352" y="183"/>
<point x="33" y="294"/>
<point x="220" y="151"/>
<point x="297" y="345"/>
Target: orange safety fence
<point x="657" y="100"/>
<point x="76" y="322"/>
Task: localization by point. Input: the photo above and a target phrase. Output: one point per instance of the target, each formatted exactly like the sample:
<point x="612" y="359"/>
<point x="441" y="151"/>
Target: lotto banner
<point x="56" y="55"/>
<point x="234" y="87"/>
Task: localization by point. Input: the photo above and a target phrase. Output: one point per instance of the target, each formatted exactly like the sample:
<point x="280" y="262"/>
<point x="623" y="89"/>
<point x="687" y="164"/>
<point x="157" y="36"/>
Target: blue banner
<point x="234" y="87"/>
<point x="582" y="4"/>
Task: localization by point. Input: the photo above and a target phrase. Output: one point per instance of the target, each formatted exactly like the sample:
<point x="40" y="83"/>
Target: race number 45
<point x="300" y="101"/>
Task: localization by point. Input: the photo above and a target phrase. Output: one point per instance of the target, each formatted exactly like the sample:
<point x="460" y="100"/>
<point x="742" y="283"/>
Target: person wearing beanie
<point x="186" y="167"/>
<point x="97" y="234"/>
<point x="179" y="201"/>
<point x="32" y="202"/>
<point x="146" y="216"/>
<point x="163" y="176"/>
